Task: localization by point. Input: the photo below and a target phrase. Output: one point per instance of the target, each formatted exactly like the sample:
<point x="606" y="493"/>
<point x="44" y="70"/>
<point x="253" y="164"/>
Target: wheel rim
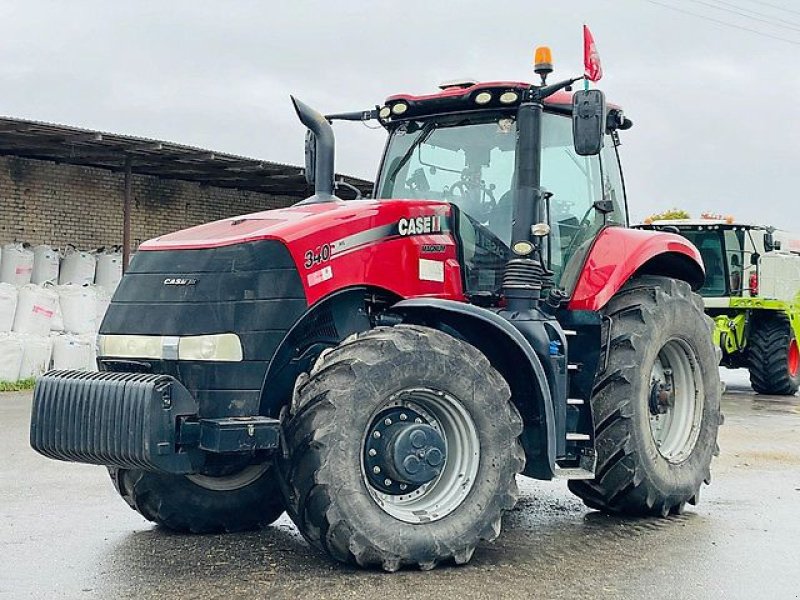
<point x="438" y="412"/>
<point x="227" y="483"/>
<point x="794" y="358"/>
<point x="675" y="402"/>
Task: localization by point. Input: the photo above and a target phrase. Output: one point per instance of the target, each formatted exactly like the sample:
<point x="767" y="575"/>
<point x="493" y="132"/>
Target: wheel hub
<point x="402" y="451"/>
<point x="662" y="395"/>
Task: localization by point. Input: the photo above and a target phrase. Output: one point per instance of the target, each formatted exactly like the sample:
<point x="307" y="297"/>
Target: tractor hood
<point x="297" y="222"/>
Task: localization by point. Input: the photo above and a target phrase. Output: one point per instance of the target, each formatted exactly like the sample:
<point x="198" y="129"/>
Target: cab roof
<point x="701" y="223"/>
<point x="462" y="96"/>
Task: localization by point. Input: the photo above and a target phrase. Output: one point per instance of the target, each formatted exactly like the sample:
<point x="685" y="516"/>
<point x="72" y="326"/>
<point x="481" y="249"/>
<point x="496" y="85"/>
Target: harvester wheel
<point x="655" y="403"/>
<point x="401" y="449"/>
<point x="242" y="501"/>
<point x="773" y="356"/>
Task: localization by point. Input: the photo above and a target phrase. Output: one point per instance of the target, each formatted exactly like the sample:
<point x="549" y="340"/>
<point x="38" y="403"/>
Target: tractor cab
<point x="730" y="251"/>
<point x="463" y="146"/>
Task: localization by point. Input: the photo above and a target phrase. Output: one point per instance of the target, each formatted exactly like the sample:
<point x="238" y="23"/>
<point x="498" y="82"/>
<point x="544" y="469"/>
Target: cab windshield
<point x="469" y="160"/>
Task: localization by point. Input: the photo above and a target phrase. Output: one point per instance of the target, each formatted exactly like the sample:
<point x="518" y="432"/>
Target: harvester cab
<point x="752" y="291"/>
<point x="382" y="369"/>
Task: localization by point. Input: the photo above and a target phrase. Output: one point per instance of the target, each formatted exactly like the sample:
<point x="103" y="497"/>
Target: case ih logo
<point x="427" y="224"/>
<point x="179" y="281"/>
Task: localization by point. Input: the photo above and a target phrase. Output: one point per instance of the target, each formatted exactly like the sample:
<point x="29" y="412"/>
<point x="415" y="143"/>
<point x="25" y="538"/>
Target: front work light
<point x="399" y="108"/>
<point x="483" y="98"/>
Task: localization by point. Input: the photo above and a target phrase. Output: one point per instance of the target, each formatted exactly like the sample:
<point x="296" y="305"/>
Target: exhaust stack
<point x="323" y="151"/>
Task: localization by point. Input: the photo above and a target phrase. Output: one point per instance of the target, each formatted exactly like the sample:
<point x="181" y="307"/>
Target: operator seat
<point x="500" y="218"/>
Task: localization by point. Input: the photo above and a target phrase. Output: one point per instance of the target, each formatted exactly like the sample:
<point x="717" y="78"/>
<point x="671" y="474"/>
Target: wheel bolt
<point x="403" y="416"/>
<point x="387" y="421"/>
<point x="417" y="420"/>
<point x="387" y="482"/>
<point x="376" y="435"/>
<point x="376" y="470"/>
<point x="403" y="486"/>
<point x="372" y="452"/>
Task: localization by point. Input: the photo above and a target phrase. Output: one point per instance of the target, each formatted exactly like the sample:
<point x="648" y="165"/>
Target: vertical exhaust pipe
<point x="324" y="146"/>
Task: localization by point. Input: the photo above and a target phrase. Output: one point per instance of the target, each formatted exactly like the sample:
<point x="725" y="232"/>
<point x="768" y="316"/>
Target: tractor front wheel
<point x="655" y="403"/>
<point x="773" y="356"/>
<point x="401" y="449"/>
<point x="243" y="500"/>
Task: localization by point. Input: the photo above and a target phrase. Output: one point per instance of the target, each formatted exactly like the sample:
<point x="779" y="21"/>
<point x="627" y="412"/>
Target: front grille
<point x="251" y="289"/>
<point x="120" y="419"/>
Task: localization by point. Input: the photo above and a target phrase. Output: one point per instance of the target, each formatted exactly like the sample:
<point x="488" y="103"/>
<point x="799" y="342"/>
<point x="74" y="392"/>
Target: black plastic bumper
<point x="136" y="421"/>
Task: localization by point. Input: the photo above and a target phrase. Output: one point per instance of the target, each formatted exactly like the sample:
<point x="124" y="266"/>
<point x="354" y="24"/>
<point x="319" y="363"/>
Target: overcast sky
<point x="715" y="107"/>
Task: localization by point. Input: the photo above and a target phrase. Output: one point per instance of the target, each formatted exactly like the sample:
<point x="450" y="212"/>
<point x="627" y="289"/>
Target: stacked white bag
<point x="36" y="352"/>
<point x="36" y="306"/>
<point x="76" y="352"/>
<point x="46" y="263"/>
<point x="16" y="264"/>
<point x="109" y="270"/>
<point x="51" y="307"/>
<point x="78" y="308"/>
<point x="77" y="267"/>
<point x="8" y="306"/>
<point x="10" y="357"/>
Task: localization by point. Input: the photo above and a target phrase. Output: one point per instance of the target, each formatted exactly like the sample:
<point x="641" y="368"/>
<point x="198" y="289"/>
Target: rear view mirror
<point x="311" y="157"/>
<point x="588" y="121"/>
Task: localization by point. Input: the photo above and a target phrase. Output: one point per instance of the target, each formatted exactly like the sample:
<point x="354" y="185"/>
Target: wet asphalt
<point x="64" y="533"/>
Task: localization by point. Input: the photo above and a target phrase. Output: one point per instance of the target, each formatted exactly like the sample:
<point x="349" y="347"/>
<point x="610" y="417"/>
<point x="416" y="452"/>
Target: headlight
<point x="223" y="346"/>
<point x="219" y="347"/>
<point x="130" y="346"/>
<point x="399" y="108"/>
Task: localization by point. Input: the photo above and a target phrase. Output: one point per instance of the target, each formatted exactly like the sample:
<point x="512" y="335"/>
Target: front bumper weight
<point x="127" y="420"/>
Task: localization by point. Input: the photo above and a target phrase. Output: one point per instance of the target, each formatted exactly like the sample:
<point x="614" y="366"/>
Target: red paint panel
<point x="371" y="252"/>
<point x="616" y="255"/>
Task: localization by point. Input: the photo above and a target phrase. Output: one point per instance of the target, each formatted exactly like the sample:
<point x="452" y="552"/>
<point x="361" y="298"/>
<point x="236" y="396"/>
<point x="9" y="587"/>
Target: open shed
<point x="67" y="185"/>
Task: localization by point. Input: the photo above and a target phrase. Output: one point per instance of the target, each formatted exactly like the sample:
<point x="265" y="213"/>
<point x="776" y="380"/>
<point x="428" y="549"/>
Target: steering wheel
<point x="480" y="207"/>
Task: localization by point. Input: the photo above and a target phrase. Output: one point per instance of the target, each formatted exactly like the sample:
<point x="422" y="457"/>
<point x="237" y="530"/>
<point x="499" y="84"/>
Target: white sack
<point x="8" y="306"/>
<point x="36" y="307"/>
<point x="46" y="262"/>
<point x="77" y="268"/>
<point x="109" y="270"/>
<point x="36" y="352"/>
<point x="74" y="352"/>
<point x="10" y="357"/>
<point x="78" y="308"/>
<point x="16" y="264"/>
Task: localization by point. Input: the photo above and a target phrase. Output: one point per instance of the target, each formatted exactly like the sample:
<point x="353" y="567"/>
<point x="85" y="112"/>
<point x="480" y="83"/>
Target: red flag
<point x="591" y="59"/>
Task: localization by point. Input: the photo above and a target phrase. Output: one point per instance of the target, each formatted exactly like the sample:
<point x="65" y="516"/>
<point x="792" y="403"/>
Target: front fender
<point x="511" y="354"/>
<point x="619" y="253"/>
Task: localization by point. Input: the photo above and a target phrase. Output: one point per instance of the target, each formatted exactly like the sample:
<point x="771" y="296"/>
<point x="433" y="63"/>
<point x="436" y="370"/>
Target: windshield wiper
<point x="424" y="133"/>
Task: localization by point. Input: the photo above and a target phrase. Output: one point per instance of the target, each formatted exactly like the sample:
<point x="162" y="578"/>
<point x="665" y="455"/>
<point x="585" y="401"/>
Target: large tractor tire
<point x="371" y="426"/>
<point x="246" y="500"/>
<point x="773" y="356"/>
<point x="655" y="403"/>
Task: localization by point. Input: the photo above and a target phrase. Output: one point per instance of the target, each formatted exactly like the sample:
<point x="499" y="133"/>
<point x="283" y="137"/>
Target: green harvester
<point x="752" y="291"/>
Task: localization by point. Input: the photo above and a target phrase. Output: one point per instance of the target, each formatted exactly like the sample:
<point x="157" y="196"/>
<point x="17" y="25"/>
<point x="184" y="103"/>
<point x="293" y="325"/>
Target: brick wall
<point x="43" y="202"/>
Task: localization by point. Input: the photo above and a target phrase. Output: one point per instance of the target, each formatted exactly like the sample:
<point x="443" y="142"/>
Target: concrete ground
<point x="64" y="533"/>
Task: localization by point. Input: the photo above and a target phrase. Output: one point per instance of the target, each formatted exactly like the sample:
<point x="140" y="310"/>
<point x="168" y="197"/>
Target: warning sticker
<point x="431" y="270"/>
<point x="319" y="276"/>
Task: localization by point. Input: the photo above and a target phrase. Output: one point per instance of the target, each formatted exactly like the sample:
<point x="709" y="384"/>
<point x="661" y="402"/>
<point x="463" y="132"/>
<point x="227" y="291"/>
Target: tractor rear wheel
<point x="773" y="356"/>
<point x="247" y="499"/>
<point x="655" y="403"/>
<point x="401" y="449"/>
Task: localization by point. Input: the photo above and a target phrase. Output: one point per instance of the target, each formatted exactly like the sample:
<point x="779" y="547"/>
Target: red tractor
<point x="383" y="369"/>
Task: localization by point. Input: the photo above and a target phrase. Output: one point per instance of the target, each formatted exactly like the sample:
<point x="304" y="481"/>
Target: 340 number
<point x="318" y="255"/>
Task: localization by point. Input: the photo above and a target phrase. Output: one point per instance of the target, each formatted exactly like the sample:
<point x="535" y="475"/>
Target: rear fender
<point x="511" y="354"/>
<point x="619" y="253"/>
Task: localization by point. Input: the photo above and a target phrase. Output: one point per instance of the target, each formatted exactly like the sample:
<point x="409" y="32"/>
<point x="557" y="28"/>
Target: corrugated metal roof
<point x="104" y="150"/>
